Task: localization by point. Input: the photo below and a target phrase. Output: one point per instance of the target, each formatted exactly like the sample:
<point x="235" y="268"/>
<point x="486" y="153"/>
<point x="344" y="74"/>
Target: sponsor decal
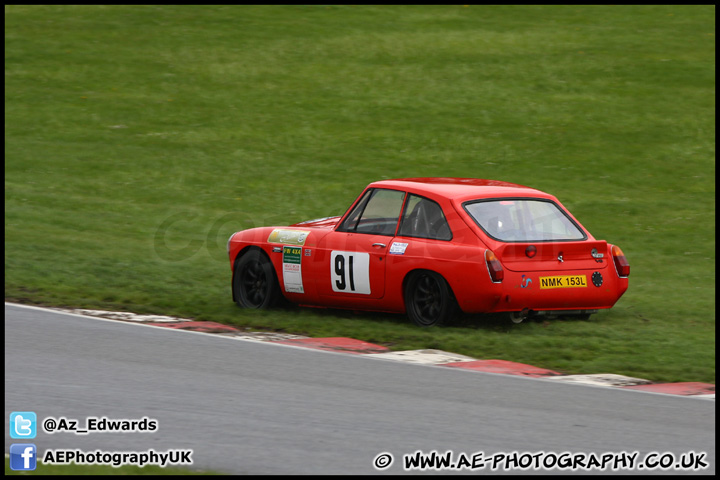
<point x="292" y="269"/>
<point x="398" y="248"/>
<point x="288" y="237"/>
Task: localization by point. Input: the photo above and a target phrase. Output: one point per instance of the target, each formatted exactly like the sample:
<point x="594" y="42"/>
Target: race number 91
<point x="350" y="272"/>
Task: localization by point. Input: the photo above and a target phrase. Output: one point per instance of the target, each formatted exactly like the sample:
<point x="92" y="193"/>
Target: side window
<point x="424" y="218"/>
<point x="377" y="213"/>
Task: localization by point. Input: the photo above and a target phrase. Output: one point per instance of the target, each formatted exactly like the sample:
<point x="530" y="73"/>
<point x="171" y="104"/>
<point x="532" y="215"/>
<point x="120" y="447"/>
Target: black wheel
<point x="254" y="282"/>
<point x="428" y="299"/>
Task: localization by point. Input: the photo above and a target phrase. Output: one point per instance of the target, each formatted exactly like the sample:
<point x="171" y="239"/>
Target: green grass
<point x="138" y="138"/>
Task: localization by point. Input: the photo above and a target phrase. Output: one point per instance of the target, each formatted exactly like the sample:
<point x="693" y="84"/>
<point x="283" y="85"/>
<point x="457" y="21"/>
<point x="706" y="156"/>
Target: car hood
<point x="327" y="222"/>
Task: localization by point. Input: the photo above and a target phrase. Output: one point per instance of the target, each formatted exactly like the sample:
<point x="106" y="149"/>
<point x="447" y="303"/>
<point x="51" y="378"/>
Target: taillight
<point x="621" y="264"/>
<point x="494" y="267"/>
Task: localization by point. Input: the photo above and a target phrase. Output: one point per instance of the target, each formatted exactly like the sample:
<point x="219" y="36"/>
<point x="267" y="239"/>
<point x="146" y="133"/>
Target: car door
<point x="350" y="261"/>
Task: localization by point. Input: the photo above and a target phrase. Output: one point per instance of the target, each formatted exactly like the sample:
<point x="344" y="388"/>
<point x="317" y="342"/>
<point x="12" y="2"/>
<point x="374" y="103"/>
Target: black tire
<point x="254" y="283"/>
<point x="428" y="299"/>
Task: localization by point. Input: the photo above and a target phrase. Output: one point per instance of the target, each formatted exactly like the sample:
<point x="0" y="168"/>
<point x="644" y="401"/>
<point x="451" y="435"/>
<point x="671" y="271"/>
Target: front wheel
<point x="428" y="299"/>
<point x="254" y="283"/>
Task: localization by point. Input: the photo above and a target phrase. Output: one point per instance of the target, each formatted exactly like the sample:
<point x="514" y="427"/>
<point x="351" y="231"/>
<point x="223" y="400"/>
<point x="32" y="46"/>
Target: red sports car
<point x="431" y="246"/>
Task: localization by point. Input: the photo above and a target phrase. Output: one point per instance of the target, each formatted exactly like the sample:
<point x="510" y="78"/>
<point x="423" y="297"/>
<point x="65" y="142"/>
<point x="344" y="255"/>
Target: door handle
<point x="379" y="245"/>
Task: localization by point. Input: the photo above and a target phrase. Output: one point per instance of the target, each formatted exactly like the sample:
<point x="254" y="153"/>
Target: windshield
<point x="523" y="220"/>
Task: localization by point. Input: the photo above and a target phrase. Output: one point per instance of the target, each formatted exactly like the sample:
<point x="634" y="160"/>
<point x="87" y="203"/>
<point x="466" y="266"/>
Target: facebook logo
<point x="23" y="456"/>
<point x="23" y="425"/>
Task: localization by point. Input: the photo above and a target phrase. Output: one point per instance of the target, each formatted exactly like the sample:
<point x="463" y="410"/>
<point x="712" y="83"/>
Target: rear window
<point x="523" y="220"/>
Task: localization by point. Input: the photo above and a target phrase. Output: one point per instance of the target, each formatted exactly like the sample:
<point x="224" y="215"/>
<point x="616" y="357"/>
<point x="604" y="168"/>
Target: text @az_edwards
<point x="99" y="424"/>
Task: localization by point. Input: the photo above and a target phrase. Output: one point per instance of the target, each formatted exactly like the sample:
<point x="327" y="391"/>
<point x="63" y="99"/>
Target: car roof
<point x="461" y="189"/>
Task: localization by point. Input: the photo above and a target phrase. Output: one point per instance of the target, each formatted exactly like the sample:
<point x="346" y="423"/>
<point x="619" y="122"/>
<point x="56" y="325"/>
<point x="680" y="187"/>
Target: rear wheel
<point x="428" y="299"/>
<point x="254" y="283"/>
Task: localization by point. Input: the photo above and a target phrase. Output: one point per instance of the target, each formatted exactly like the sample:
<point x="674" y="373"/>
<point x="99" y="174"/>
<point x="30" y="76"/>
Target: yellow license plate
<point x="564" y="281"/>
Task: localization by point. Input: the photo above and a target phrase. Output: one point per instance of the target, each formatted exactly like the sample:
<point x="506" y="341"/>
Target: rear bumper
<point x="520" y="291"/>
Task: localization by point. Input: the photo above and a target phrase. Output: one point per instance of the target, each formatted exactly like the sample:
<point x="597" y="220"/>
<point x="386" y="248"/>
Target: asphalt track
<point x="248" y="407"/>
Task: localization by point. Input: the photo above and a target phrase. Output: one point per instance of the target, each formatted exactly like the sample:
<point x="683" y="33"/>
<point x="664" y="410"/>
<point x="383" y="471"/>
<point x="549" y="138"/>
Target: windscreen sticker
<point x="350" y="272"/>
<point x="292" y="269"/>
<point x="288" y="237"/>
